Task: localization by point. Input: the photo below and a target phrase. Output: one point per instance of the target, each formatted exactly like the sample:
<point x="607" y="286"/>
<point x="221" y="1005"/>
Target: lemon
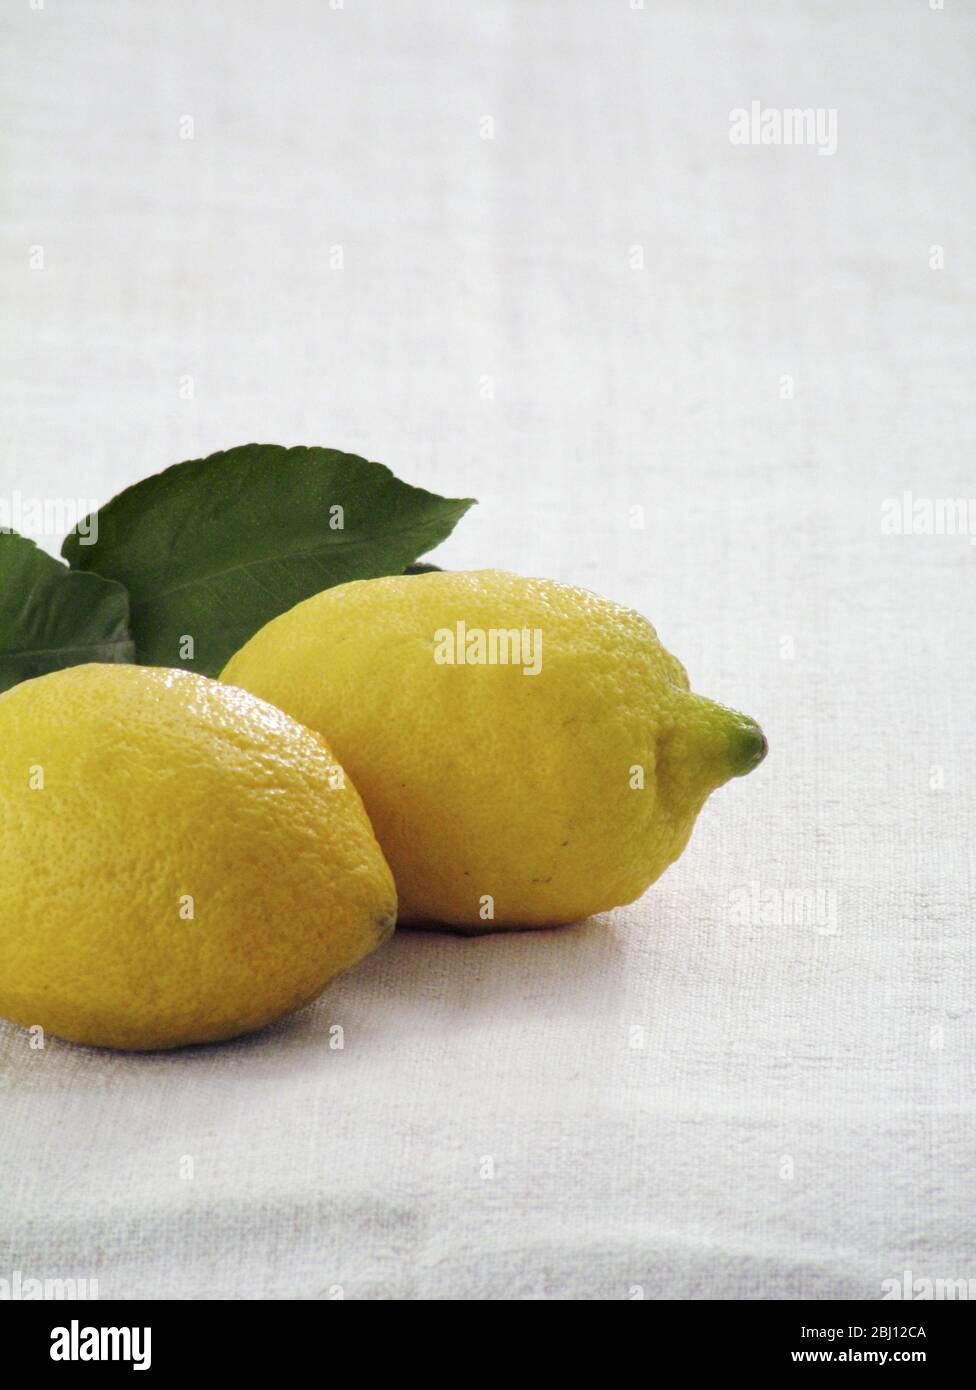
<point x="180" y="861"/>
<point x="528" y="752"/>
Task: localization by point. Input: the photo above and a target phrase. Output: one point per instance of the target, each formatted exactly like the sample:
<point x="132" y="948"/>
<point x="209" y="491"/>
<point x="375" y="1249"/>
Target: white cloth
<point x="695" y="1096"/>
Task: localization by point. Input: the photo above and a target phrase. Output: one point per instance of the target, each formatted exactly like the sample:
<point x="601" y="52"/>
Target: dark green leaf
<point x="214" y="548"/>
<point x="51" y="616"/>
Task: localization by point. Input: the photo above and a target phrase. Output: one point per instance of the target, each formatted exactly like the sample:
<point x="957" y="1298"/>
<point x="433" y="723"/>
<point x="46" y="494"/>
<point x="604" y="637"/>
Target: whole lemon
<point x="528" y="752"/>
<point x="180" y="861"/>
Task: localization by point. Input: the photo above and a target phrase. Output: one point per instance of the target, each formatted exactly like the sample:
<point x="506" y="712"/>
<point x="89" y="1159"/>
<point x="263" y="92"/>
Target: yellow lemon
<point x="180" y="861"/>
<point x="528" y="752"/>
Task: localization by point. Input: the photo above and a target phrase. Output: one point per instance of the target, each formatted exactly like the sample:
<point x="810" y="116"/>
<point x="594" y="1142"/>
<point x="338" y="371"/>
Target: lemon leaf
<point x="212" y="549"/>
<point x="52" y="617"/>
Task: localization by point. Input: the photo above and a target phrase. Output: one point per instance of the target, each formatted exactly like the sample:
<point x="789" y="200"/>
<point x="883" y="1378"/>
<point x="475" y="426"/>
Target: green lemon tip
<point x="747" y="746"/>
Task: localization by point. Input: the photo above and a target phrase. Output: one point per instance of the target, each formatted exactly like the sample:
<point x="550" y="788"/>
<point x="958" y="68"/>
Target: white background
<point x="669" y="1100"/>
